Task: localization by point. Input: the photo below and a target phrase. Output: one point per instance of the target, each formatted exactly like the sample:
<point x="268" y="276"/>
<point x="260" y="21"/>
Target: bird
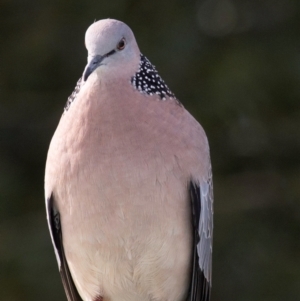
<point x="128" y="182"/>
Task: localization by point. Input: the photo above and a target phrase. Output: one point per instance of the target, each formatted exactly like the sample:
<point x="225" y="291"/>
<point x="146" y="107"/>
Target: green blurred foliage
<point x="235" y="64"/>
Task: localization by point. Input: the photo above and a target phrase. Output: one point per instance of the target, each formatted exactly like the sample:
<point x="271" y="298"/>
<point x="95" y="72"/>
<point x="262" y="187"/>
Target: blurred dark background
<point x="235" y="64"/>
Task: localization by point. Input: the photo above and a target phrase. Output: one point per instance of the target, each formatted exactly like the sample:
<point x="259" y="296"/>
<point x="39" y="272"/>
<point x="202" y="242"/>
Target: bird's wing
<point x="201" y="195"/>
<point x="54" y="224"/>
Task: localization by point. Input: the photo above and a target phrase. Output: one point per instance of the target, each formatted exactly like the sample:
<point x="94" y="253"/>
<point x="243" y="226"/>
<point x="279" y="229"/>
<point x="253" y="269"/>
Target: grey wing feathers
<point x="202" y="210"/>
<point x="56" y="236"/>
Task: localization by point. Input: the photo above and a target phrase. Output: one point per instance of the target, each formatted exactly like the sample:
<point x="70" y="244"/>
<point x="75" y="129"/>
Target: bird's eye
<point x="121" y="44"/>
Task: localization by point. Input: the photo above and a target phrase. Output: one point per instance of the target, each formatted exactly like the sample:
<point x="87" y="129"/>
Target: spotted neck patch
<point x="147" y="80"/>
<point x="72" y="97"/>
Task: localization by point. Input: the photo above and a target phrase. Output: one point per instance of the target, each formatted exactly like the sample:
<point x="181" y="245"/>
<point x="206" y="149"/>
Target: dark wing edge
<point x="201" y="195"/>
<point x="53" y="218"/>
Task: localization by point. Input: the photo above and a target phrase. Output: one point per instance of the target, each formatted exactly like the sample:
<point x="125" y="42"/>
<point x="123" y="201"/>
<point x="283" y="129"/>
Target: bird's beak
<point x="93" y="63"/>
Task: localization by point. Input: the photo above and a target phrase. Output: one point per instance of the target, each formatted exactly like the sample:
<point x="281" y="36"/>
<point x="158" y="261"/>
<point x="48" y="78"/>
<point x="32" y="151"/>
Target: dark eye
<point x="121" y="44"/>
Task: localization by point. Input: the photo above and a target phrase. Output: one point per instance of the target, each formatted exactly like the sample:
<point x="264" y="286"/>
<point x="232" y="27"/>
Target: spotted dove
<point x="128" y="182"/>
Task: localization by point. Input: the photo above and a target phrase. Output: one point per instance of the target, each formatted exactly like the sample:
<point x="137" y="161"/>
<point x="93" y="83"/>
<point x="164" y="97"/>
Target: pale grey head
<point x="110" y="44"/>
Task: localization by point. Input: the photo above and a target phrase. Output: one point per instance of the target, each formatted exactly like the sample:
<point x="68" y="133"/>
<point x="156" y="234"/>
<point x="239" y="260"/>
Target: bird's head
<point x="112" y="48"/>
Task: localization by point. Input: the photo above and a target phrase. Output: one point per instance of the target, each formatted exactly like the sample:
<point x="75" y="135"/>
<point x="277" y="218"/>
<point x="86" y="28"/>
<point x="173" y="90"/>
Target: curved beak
<point x="93" y="63"/>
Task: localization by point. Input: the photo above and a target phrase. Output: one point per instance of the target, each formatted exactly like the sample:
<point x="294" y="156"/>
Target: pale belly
<point x="132" y="243"/>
